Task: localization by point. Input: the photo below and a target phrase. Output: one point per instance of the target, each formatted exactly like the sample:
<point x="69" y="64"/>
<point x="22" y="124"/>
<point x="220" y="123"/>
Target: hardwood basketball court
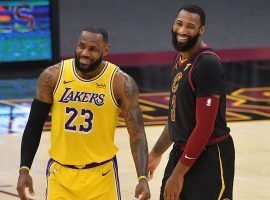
<point x="248" y="113"/>
<point x="252" y="178"/>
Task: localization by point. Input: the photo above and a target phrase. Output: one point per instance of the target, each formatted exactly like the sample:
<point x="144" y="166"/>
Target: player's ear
<point x="106" y="50"/>
<point x="202" y="30"/>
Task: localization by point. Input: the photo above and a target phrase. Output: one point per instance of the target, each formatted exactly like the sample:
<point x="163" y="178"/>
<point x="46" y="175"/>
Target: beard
<point x="188" y="45"/>
<point x="89" y="68"/>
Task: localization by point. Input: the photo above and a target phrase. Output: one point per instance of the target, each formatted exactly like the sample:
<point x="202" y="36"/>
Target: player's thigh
<point x="212" y="174"/>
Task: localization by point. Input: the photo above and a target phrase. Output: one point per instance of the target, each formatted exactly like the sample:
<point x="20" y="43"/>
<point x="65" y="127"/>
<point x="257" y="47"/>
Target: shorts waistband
<point x="86" y="166"/>
<point x="210" y="142"/>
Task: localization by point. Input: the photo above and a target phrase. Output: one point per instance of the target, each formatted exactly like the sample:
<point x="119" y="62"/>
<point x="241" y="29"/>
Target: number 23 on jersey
<point x="78" y="121"/>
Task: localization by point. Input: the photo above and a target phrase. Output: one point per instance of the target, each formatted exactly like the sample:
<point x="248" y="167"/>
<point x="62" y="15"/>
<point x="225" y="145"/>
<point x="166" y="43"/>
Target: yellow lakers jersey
<point x="84" y="116"/>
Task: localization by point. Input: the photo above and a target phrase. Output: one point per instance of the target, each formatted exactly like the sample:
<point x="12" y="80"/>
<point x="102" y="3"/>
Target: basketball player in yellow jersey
<point x="84" y="95"/>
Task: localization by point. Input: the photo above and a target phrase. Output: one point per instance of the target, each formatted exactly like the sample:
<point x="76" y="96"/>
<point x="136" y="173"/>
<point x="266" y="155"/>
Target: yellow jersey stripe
<point x="111" y="87"/>
<point x="221" y="175"/>
<point x="59" y="77"/>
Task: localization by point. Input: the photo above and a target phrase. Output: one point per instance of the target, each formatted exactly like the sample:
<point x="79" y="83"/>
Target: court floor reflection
<point x="13" y="116"/>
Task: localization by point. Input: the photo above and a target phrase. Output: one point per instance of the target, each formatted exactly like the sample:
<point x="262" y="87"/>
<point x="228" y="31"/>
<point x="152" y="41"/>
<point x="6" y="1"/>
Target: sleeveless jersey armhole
<point x="111" y="87"/>
<point x="59" y="77"/>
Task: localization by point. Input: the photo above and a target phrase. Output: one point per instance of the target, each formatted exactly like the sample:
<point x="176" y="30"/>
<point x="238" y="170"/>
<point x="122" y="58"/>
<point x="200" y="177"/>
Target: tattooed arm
<point x="47" y="82"/>
<point x="126" y="92"/>
<point x="163" y="143"/>
<point x="32" y="133"/>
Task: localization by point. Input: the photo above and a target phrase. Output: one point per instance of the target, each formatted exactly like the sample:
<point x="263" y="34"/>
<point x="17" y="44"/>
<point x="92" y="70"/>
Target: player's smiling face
<point x="186" y="30"/>
<point x="89" y="51"/>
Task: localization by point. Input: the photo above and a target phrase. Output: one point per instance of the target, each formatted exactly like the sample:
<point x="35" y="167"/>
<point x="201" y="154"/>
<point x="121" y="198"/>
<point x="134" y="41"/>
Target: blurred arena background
<point x="37" y="33"/>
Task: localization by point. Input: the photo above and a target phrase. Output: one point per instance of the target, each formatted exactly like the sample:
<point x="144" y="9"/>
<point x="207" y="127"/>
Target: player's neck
<point x="188" y="54"/>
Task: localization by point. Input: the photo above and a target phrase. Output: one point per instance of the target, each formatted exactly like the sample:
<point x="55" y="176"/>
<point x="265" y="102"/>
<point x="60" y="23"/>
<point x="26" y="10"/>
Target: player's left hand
<point x="173" y="187"/>
<point x="142" y="191"/>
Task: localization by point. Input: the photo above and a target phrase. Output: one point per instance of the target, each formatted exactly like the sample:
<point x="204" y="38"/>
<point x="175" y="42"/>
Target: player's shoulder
<point x="124" y="85"/>
<point x="51" y="72"/>
<point x="208" y="59"/>
<point x="209" y="56"/>
<point x="208" y="62"/>
<point x="121" y="77"/>
<point x="53" y="69"/>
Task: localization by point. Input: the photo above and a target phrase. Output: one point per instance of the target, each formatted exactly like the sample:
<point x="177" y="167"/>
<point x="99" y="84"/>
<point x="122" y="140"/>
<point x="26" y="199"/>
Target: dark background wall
<point x="144" y="25"/>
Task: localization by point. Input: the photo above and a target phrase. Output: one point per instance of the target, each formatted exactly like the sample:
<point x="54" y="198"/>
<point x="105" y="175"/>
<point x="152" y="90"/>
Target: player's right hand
<point x="24" y="180"/>
<point x="142" y="191"/>
<point x="153" y="162"/>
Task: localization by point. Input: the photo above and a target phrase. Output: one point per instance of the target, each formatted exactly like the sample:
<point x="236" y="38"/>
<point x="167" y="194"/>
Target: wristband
<point x="142" y="177"/>
<point x="25" y="167"/>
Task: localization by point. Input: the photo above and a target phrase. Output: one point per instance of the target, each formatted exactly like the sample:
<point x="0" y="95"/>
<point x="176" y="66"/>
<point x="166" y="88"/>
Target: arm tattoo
<point x="47" y="81"/>
<point x="134" y="122"/>
<point x="132" y="111"/>
<point x="131" y="91"/>
<point x="163" y="143"/>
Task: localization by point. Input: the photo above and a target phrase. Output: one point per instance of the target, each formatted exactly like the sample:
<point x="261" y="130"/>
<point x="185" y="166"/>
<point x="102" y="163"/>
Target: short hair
<point x="195" y="9"/>
<point x="99" y="30"/>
